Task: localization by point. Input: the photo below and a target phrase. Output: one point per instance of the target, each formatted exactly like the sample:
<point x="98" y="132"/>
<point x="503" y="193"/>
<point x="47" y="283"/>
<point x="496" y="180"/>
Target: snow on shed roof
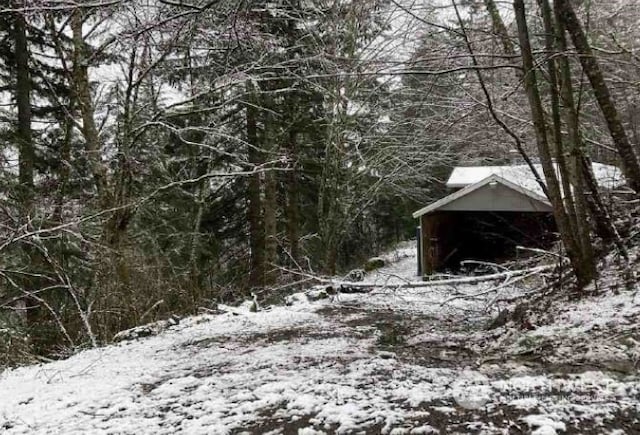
<point x="607" y="176"/>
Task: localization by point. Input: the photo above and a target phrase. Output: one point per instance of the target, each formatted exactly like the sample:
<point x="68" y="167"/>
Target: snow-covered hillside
<point x="413" y="361"/>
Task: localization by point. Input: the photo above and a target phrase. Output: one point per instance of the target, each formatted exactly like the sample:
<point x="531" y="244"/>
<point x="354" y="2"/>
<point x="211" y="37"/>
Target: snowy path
<point x="386" y="362"/>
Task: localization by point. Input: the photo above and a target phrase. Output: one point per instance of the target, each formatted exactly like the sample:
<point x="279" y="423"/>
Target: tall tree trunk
<point x="270" y="226"/>
<point x="293" y="232"/>
<point x="26" y="155"/>
<point x="581" y="270"/>
<point x="569" y="171"/>
<point x="254" y="202"/>
<point x="64" y="168"/>
<point x="328" y="206"/>
<point x="581" y="174"/>
<point x="499" y="28"/>
<point x="23" y="102"/>
<point x="556" y="116"/>
<point x="270" y="204"/>
<point x="628" y="156"/>
<point x="194" y="270"/>
<point x="85" y="103"/>
<point x="115" y="227"/>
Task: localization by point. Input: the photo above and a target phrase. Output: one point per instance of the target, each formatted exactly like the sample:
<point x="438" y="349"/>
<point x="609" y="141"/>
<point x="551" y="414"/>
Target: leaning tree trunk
<point x="628" y="156"/>
<point x="581" y="268"/>
<point x="499" y="28"/>
<point x="587" y="198"/>
<point x="569" y="171"/>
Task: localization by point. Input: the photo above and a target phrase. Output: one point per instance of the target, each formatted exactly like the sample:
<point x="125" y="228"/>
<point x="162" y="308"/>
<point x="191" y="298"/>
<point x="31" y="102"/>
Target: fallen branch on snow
<point x="462" y="280"/>
<point x="507" y="283"/>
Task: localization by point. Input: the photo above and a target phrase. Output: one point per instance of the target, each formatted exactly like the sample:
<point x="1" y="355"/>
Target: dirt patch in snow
<point x="410" y="361"/>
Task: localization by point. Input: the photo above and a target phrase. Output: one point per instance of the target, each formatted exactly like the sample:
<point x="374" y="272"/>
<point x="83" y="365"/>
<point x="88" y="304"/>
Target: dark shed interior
<point x="450" y="237"/>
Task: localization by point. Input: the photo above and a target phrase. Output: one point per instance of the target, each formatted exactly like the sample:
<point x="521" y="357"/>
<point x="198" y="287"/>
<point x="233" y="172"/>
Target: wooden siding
<point x="496" y="197"/>
<point x="436" y="232"/>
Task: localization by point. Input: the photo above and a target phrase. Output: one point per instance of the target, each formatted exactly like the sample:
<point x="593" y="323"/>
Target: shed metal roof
<point x="607" y="176"/>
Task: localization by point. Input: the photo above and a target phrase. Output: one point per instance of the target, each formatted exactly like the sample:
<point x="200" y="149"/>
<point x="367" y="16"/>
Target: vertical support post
<point x="419" y="247"/>
<point x="425" y="244"/>
<point x="430" y="243"/>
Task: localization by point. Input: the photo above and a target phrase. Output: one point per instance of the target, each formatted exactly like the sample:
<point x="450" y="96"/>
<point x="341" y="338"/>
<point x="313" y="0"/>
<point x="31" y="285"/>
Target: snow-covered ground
<point x="416" y="361"/>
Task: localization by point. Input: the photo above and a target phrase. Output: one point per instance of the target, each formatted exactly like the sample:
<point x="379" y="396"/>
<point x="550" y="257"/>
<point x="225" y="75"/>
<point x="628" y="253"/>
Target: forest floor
<point x="415" y="361"/>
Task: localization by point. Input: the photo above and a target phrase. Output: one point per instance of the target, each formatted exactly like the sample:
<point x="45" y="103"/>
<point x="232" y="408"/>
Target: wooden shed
<point x="492" y="211"/>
